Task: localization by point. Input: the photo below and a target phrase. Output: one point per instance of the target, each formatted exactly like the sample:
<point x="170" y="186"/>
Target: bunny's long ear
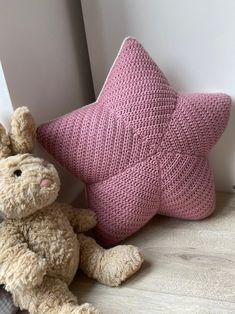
<point x="5" y="150"/>
<point x="23" y="131"/>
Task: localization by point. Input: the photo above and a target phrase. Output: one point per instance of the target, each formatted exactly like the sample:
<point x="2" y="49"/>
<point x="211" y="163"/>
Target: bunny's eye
<point x="17" y="173"/>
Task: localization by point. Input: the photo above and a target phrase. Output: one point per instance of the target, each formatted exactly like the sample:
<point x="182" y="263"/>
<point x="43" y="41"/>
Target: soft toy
<point x="141" y="148"/>
<point x="41" y="241"/>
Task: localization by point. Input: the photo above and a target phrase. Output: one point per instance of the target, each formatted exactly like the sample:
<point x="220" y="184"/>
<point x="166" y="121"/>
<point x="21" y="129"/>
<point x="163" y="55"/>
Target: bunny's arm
<point x="82" y="220"/>
<point x="19" y="266"/>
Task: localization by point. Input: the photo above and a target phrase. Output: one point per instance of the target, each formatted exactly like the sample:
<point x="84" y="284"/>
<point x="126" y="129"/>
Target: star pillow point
<point x="141" y="148"/>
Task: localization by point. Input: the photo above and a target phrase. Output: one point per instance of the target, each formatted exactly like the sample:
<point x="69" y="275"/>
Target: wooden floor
<point x="189" y="268"/>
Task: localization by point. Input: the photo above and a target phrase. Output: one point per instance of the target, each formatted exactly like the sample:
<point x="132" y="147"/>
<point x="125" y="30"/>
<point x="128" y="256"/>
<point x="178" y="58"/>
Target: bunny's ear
<point x="5" y="150"/>
<point x="23" y="131"/>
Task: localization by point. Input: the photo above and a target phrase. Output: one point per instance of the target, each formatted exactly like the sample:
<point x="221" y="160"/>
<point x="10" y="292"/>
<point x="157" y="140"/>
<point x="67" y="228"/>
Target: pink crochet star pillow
<point x="141" y="148"/>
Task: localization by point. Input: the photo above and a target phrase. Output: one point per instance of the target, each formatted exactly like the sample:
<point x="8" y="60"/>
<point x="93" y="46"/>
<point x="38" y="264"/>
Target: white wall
<point x="192" y="41"/>
<point x="44" y="55"/>
<point x="6" y="107"/>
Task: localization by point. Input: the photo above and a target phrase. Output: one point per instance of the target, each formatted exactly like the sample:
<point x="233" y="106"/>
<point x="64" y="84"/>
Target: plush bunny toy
<point x="41" y="241"/>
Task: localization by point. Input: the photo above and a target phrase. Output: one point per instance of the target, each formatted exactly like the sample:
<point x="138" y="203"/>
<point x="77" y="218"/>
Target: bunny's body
<point x="41" y="241"/>
<point x="48" y="233"/>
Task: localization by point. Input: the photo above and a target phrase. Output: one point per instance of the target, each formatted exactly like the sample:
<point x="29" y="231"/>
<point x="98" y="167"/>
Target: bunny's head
<point x="27" y="183"/>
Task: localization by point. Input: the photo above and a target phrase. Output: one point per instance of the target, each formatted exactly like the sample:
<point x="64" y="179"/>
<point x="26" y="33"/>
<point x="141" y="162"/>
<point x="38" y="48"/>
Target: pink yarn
<point x="141" y="147"/>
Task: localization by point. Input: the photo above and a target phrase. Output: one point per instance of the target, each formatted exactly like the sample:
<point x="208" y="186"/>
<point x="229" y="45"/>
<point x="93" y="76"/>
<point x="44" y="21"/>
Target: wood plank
<point x="126" y="300"/>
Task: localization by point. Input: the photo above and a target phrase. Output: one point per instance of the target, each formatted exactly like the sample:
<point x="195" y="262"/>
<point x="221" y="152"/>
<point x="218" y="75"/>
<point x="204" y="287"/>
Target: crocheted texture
<point x="141" y="147"/>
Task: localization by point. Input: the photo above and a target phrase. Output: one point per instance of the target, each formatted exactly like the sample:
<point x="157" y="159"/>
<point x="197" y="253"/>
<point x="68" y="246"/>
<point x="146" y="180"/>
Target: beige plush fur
<point x="41" y="241"/>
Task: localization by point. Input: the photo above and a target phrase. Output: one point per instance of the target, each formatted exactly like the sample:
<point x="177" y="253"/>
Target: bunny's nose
<point x="45" y="183"/>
